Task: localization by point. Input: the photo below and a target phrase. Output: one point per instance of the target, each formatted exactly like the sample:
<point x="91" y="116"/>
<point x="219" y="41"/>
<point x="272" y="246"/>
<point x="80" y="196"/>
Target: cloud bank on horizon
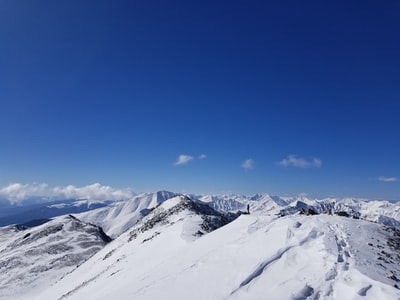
<point x="17" y="193"/>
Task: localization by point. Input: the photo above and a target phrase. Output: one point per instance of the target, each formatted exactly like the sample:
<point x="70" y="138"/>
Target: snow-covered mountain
<point x="384" y="212"/>
<point x="175" y="246"/>
<point x="120" y="216"/>
<point x="34" y="258"/>
<point x="170" y="227"/>
<point x="258" y="203"/>
<point x="252" y="257"/>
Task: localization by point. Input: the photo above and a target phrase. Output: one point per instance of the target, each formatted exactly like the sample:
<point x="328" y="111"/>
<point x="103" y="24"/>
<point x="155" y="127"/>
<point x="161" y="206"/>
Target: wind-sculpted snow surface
<point x="252" y="257"/>
<point x="33" y="258"/>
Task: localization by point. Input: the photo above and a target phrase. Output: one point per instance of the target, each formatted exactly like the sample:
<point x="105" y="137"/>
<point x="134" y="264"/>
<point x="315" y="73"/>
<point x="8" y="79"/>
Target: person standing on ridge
<point x="248" y="209"/>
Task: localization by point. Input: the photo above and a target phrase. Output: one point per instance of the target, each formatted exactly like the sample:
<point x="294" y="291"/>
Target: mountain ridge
<point x="31" y="257"/>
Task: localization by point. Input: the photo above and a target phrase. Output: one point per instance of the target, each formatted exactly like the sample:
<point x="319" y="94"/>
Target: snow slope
<point x="31" y="259"/>
<point x="253" y="257"/>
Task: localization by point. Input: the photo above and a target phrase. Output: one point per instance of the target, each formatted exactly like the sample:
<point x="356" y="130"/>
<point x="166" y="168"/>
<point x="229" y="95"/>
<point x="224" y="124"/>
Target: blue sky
<point x="287" y="97"/>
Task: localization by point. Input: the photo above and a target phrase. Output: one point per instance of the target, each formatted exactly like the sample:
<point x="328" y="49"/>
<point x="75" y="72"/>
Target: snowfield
<point x="171" y="246"/>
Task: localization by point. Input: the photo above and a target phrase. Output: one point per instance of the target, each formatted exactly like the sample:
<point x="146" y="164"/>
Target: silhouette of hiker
<point x="248" y="209"/>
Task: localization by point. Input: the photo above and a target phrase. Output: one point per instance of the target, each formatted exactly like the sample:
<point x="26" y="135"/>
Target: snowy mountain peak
<point x="258" y="196"/>
<point x="197" y="218"/>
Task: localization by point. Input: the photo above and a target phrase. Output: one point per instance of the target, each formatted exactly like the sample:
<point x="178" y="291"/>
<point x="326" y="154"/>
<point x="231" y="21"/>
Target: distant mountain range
<point x="173" y="246"/>
<point x="20" y="214"/>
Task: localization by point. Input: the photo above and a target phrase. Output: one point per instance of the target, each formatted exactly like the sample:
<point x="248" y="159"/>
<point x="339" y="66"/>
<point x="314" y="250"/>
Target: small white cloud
<point x="388" y="179"/>
<point x="299" y="162"/>
<point x="248" y="164"/>
<point x="202" y="156"/>
<point x="183" y="159"/>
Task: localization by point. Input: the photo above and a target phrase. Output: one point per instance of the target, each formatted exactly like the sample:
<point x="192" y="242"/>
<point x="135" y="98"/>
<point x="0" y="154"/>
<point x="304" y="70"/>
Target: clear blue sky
<point x="115" y="91"/>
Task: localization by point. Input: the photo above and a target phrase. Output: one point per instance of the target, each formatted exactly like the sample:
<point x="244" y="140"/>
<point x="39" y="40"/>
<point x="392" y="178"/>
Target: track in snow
<point x="342" y="263"/>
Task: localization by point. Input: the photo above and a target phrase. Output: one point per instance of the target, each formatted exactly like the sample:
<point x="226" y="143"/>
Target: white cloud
<point x="183" y="159"/>
<point x="18" y="192"/>
<point x="94" y="191"/>
<point x="388" y="179"/>
<point x="202" y="156"/>
<point x="248" y="164"/>
<point x="299" y="162"/>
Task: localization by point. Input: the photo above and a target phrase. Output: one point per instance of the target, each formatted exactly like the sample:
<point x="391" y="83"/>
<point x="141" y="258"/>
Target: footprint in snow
<point x="305" y="292"/>
<point x="331" y="274"/>
<point x="363" y="292"/>
<point x="297" y="225"/>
